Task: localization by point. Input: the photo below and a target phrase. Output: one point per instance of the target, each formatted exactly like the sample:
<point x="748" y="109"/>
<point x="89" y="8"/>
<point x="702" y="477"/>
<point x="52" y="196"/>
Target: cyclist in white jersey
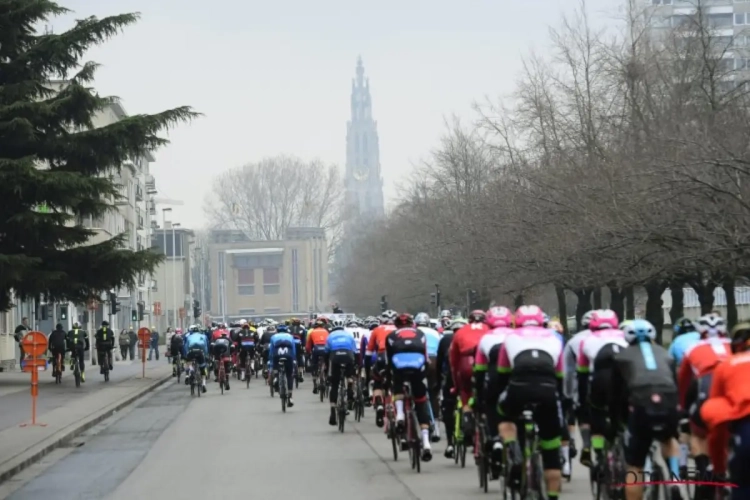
<point x="530" y="369"/>
<point x="595" y="361"/>
<point x="573" y="411"/>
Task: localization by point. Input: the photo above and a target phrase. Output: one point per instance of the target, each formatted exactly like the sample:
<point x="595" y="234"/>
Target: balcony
<point x="154" y="224"/>
<point x="138" y="192"/>
<point x="123" y="198"/>
<point x="152" y="208"/>
<point x="140" y="222"/>
<point x="150" y="183"/>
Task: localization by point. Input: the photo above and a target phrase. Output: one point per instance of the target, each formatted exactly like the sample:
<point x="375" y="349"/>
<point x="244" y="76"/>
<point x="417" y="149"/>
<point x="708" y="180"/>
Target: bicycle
<point x="459" y="443"/>
<point x="654" y="471"/>
<point x="322" y="382"/>
<point x="192" y="370"/>
<point x="359" y="399"/>
<point x="76" y="368"/>
<point x="341" y="401"/>
<point x="390" y="423"/>
<point x="532" y="485"/>
<point x="481" y="456"/>
<point x="257" y="361"/>
<point x="222" y="375"/>
<point x="105" y="365"/>
<point x="178" y="366"/>
<point x="283" y="391"/>
<point x="248" y="369"/>
<point x="58" y="368"/>
<point x="413" y="429"/>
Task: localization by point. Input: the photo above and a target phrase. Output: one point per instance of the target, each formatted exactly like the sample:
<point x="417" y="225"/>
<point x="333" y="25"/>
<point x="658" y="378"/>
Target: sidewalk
<point x="22" y="446"/>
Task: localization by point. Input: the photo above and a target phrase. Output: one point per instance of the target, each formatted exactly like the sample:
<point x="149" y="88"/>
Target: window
<point x="246" y="281"/>
<point x="740" y="19"/>
<point x="272" y="310"/>
<point x="720" y="20"/>
<point x="740" y="64"/>
<point x="271" y="281"/>
<point x="246" y="312"/>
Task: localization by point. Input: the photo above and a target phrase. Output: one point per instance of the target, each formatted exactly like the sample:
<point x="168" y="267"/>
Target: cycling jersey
<point x="340" y="340"/>
<point x="491" y="341"/>
<point x="531" y="350"/>
<point x="247" y="339"/>
<point x="642" y="370"/>
<point x="699" y="361"/>
<point x="299" y="333"/>
<point x="433" y="340"/>
<point x="195" y="340"/>
<point x="681" y="344"/>
<point x="570" y="359"/>
<point x="461" y="357"/>
<point x="377" y="341"/>
<point x="596" y="342"/>
<point x="282" y="346"/>
<point x="317" y="337"/>
<point x="218" y="333"/>
<point x="406" y="348"/>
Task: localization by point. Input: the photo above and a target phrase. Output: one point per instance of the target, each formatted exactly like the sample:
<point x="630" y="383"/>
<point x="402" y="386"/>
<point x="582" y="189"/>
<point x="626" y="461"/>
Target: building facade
<point x="258" y="279"/>
<point x="172" y="303"/>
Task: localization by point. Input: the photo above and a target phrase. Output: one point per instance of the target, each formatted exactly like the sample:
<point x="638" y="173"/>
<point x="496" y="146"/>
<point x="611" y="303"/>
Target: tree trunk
<point x="629" y="302"/>
<point x="617" y="300"/>
<point x="562" y="309"/>
<point x="728" y="286"/>
<point x="518" y="300"/>
<point x="677" y="311"/>
<point x="705" y="290"/>
<point x="584" y="304"/>
<point x="597" y="298"/>
<point x="654" y="311"/>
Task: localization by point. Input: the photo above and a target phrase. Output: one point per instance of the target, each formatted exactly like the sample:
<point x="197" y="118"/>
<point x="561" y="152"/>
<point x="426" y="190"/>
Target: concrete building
<point x="173" y="291"/>
<point x="258" y="279"/>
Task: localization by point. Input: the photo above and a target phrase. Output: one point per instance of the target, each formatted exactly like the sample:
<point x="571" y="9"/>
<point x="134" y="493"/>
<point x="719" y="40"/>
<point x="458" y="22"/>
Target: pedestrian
<point x="124" y="342"/>
<point x="133" y="343"/>
<point x="154" y="345"/>
<point x="19" y="333"/>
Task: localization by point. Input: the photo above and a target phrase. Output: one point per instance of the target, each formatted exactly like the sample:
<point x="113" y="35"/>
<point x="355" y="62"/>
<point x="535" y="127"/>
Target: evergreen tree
<point x="55" y="166"/>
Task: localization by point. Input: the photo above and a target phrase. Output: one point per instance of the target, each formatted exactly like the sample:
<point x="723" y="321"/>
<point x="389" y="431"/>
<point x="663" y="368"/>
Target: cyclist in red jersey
<point x="461" y="360"/>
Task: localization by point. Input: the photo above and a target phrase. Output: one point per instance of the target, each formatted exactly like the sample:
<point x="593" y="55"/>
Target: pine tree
<point x="55" y="166"/>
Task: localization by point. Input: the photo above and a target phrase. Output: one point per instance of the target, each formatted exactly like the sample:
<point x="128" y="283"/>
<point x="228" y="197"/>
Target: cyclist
<point x="445" y="382"/>
<point x="265" y="341"/>
<point x="195" y="349"/>
<point x="461" y="359"/>
<point x="371" y="323"/>
<point x="424" y="324"/>
<point x="56" y="345"/>
<point x="105" y="342"/>
<point x="530" y="372"/>
<point x="300" y="338"/>
<point x="500" y="319"/>
<point x="316" y="348"/>
<point x="446" y="318"/>
<point x="222" y="348"/>
<point x="694" y="383"/>
<point x="685" y="337"/>
<point x="247" y="338"/>
<point x="594" y="365"/>
<point x="643" y="399"/>
<point x="340" y="349"/>
<point x="406" y="355"/>
<point x="727" y="414"/>
<point x="283" y="347"/>
<point x="575" y="412"/>
<point x="376" y="346"/>
<point x="78" y="342"/>
<point x="177" y="346"/>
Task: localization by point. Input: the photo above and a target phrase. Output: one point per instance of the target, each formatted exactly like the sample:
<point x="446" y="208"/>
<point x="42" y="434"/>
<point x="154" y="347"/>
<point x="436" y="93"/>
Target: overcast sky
<point x="275" y="76"/>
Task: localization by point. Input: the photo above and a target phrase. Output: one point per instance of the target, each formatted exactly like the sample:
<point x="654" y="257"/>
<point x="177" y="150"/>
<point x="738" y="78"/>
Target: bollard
<point x="34" y="346"/>
<point x="144" y="335"/>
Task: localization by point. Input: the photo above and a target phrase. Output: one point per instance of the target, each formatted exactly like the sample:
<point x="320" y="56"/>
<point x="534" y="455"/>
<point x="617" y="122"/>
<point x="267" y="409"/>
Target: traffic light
<point x="383" y="304"/>
<point x="473" y="299"/>
<point x="64" y="312"/>
<point x="114" y="304"/>
<point x="196" y="309"/>
<point x="141" y="310"/>
<point x="134" y="315"/>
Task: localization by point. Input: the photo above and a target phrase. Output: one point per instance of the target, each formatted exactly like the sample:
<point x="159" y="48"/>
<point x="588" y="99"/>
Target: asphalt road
<point x="174" y="446"/>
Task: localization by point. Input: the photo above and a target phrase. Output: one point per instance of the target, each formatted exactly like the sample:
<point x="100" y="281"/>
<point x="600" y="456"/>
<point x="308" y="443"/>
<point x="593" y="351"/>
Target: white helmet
<point x="712" y="325"/>
<point x="422" y="319"/>
<point x="388" y="316"/>
<point x="586" y="319"/>
<point x="242" y="322"/>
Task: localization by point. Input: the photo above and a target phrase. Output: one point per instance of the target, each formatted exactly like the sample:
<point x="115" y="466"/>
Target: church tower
<point x="363" y="180"/>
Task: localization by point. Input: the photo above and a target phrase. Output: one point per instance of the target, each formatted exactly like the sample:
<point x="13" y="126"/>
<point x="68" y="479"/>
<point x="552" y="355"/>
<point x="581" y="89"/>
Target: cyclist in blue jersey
<point x="340" y="350"/>
<point x="282" y="346"/>
<point x="685" y="337"/>
<point x="195" y="348"/>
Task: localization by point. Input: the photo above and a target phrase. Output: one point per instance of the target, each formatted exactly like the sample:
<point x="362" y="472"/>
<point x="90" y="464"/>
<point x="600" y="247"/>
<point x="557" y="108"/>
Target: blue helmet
<point x="282" y="329"/>
<point x="639" y="330"/>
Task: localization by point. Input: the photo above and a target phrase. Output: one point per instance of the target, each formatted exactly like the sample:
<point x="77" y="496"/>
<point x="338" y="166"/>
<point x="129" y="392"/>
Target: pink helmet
<point x="498" y="317"/>
<point x="529" y="316"/>
<point x="602" y="319"/>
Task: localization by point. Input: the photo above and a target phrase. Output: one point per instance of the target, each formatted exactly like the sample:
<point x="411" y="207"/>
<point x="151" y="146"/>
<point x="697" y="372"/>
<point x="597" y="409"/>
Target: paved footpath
<point x="65" y="409"/>
<point x="241" y="445"/>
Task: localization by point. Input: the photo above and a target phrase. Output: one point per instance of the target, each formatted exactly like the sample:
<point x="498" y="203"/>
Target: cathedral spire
<point x="360" y="71"/>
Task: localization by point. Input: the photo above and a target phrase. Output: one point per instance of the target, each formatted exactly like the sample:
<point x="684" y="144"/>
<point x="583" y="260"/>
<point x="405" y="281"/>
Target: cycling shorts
<point x="646" y="424"/>
<point x="464" y="374"/>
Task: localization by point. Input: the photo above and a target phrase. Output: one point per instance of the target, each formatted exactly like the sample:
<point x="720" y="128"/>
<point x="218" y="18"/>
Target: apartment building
<point x="173" y="290"/>
<point x="257" y="279"/>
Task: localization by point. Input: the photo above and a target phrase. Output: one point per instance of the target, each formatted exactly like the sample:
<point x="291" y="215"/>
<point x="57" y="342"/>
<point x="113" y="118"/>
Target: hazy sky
<point x="275" y="76"/>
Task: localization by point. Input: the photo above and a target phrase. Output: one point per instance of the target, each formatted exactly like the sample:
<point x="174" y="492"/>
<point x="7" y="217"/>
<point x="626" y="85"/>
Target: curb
<point x="39" y="450"/>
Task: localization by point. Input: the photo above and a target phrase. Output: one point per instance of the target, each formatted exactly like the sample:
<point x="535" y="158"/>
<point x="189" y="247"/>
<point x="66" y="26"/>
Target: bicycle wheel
<point x="394" y="439"/>
<point x="322" y="388"/>
<point x="282" y="391"/>
<point x="222" y="376"/>
<point x="77" y="375"/>
<point x="198" y="381"/>
<point x="341" y="403"/>
<point x="415" y="440"/>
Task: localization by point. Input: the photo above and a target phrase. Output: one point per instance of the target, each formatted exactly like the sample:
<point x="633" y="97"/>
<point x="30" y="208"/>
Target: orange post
<point x="144" y="335"/>
<point x="34" y="346"/>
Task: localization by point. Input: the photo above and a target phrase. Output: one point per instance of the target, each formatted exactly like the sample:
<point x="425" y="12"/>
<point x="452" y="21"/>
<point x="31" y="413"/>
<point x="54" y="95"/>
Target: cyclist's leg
<point x="548" y="418"/>
<point x="599" y="399"/>
<point x="419" y="394"/>
<point x="289" y="367"/>
<point x="81" y="362"/>
<point x="636" y="448"/>
<point x="448" y="409"/>
<point x="397" y="392"/>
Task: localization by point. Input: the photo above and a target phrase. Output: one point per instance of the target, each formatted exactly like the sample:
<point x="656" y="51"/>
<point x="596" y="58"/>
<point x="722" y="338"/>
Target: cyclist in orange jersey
<point x="377" y="344"/>
<point x="316" y="348"/>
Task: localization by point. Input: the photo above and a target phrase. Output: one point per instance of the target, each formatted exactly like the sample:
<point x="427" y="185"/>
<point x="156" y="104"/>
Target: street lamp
<point x="164" y="240"/>
<point x="174" y="273"/>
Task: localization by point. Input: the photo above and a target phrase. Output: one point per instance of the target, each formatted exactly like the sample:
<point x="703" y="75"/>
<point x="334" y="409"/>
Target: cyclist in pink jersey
<point x="530" y="374"/>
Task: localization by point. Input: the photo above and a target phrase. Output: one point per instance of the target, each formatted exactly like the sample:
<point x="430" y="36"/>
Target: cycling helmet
<point x="586" y="319"/>
<point x="499" y="317"/>
<point x="403" y="320"/>
<point x="683" y="325"/>
<point x="741" y="337"/>
<point x="556" y="326"/>
<point x="639" y="330"/>
<point x="373" y="323"/>
<point x="270" y="329"/>
<point x="422" y="319"/>
<point x="529" y="316"/>
<point x="337" y="324"/>
<point x="625" y="324"/>
<point x="457" y="324"/>
<point x="319" y="323"/>
<point x="76" y="325"/>
<point x="352" y="323"/>
<point x="282" y="329"/>
<point x="445" y="322"/>
<point x="712" y="325"/>
<point x="604" y="319"/>
<point x="194" y="328"/>
<point x="445" y="313"/>
<point x="242" y="322"/>
<point x="388" y="316"/>
<point x="178" y="331"/>
<point x="477" y="316"/>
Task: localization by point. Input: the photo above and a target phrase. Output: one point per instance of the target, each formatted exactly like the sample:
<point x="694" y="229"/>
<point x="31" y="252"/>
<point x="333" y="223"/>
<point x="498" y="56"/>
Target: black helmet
<point x="683" y="325"/>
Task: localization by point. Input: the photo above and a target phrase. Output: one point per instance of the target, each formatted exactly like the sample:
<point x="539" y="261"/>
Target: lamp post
<point x="174" y="274"/>
<point x="164" y="240"/>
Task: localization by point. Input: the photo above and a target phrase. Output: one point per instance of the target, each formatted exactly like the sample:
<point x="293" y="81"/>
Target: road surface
<point x="240" y="445"/>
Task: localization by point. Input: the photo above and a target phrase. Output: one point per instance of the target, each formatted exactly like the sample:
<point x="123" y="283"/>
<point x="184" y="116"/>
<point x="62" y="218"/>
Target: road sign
<point x="34" y="344"/>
